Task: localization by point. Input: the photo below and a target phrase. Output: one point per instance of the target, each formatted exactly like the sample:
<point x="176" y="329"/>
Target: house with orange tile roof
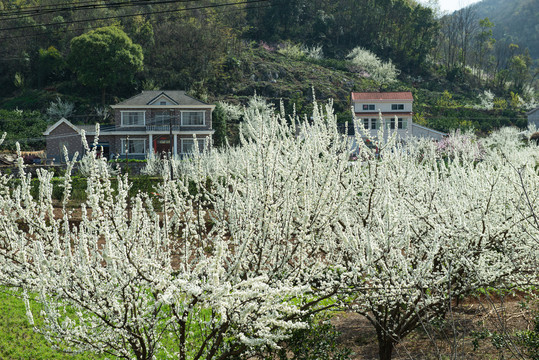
<point x="393" y="110"/>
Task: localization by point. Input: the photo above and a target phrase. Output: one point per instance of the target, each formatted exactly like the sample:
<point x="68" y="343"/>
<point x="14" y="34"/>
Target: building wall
<point x="383" y="106"/>
<point x="63" y="135"/>
<point x="404" y="132"/>
<point x="115" y="143"/>
<point x="423" y="132"/>
<point x="150" y="114"/>
<point x="533" y="119"/>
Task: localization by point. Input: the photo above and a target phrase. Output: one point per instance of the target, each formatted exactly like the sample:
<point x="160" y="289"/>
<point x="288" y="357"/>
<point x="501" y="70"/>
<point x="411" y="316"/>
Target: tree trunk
<point x="385" y="345"/>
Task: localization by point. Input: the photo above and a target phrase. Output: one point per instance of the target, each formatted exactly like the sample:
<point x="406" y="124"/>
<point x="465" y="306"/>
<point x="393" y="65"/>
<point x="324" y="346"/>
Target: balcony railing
<point x="159" y="127"/>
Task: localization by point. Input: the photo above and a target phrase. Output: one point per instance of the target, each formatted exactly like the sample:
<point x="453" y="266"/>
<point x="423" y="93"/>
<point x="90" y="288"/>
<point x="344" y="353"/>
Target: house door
<point x="161" y="144"/>
<point x="103" y="150"/>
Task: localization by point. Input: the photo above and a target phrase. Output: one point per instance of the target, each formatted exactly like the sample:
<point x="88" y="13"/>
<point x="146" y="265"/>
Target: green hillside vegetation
<point x="282" y="51"/>
<point x="522" y="25"/>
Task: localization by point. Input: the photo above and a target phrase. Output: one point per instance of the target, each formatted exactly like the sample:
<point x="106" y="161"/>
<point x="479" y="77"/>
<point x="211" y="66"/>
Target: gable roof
<point x="147" y="97"/>
<point x="161" y="96"/>
<point x="58" y="123"/>
<point x="381" y="96"/>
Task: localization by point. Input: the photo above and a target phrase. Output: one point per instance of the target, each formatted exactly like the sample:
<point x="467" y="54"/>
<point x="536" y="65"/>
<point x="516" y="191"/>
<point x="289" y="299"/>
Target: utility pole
<point x="171" y="145"/>
<point x="127" y="154"/>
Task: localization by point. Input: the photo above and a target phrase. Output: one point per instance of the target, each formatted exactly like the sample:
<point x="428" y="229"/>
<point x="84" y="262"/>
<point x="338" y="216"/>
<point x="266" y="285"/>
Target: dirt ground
<point x="471" y="331"/>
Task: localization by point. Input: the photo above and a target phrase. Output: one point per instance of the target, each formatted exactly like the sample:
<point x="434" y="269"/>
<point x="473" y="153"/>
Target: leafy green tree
<point x="105" y="58"/>
<point x="51" y="65"/>
<point x="25" y="127"/>
<point x="519" y="70"/>
<point x="484" y="43"/>
<point x="220" y="125"/>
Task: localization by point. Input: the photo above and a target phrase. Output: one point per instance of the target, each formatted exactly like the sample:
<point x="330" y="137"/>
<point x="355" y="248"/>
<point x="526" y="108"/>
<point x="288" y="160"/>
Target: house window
<point x="133" y="118"/>
<point x="366" y="123"/>
<point x="193" y="118"/>
<point x="392" y="123"/>
<point x="162" y="117"/>
<point x="402" y="123"/>
<point x="162" y="103"/>
<point x="397" y="106"/>
<point x="133" y="146"/>
<point x="373" y="124"/>
<point x="368" y="107"/>
<point x="188" y="145"/>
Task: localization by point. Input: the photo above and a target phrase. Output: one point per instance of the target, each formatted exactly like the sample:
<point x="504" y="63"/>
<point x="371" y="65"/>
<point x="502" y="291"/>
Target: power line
<point x="91" y="27"/>
<point x="137" y="14"/>
<point x="92" y="6"/>
<point x="8" y="11"/>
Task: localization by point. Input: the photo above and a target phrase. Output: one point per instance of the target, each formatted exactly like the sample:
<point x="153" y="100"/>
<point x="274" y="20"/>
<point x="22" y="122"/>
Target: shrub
<point x="319" y="341"/>
<point x="293" y="51"/>
<point x="379" y="71"/>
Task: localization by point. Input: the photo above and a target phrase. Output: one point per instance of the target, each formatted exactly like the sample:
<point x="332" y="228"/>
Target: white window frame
<point x="366" y="124"/>
<point x="194" y="111"/>
<point x="375" y="124"/>
<point x="123" y="112"/>
<point x="370" y="107"/>
<point x="397" y="106"/>
<point x="162" y="117"/>
<point x="198" y="140"/>
<point x="122" y="146"/>
<point x="402" y="123"/>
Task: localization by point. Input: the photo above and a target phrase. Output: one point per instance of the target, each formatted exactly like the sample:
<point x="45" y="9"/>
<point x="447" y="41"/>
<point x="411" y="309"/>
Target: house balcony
<point x="164" y="128"/>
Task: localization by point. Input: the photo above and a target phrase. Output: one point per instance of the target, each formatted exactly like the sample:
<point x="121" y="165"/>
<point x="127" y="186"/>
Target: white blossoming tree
<point x="228" y="269"/>
<point x="425" y="230"/>
<point x="230" y="258"/>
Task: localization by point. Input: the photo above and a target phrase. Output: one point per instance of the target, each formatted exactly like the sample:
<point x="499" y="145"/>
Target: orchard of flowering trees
<point x="248" y="242"/>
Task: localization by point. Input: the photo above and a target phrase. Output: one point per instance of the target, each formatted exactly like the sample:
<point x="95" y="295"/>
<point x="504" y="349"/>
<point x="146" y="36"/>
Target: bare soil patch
<point x="482" y="327"/>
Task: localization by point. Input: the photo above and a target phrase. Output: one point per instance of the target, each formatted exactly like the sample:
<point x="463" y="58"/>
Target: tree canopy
<point x="105" y="58"/>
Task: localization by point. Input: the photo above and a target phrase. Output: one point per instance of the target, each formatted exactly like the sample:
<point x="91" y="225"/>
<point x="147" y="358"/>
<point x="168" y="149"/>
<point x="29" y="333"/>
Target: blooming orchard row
<point x="248" y="241"/>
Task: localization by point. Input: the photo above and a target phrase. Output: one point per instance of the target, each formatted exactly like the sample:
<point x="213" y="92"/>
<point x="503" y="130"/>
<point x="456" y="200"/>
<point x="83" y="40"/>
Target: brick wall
<point x="63" y="135"/>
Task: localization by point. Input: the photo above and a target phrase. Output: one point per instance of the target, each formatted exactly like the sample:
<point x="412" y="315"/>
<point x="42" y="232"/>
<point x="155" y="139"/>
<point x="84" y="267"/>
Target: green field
<point x="17" y="337"/>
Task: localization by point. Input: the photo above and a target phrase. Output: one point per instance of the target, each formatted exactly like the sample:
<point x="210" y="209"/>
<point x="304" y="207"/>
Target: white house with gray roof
<point x="150" y="122"/>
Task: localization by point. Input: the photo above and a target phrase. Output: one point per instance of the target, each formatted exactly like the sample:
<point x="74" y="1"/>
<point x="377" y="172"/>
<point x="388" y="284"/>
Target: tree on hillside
<point x="105" y="58"/>
<point x="484" y="44"/>
<point x="220" y="125"/>
<point x="378" y="70"/>
<point x="519" y="70"/>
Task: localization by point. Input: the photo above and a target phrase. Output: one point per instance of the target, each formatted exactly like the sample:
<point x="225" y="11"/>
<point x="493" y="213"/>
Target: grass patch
<point x="17" y="337"/>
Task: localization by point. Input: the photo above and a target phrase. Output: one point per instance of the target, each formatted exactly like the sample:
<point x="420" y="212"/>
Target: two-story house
<point x="396" y="109"/>
<point x="150" y="122"/>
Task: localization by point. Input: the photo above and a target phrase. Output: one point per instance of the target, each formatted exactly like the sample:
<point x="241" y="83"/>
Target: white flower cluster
<point x="380" y="71"/>
<point x="60" y="109"/>
<point x="232" y="256"/>
<point x="486" y="101"/>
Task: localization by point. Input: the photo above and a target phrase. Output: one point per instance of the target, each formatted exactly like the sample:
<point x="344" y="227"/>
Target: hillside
<point x="281" y="52"/>
<point x="516" y="19"/>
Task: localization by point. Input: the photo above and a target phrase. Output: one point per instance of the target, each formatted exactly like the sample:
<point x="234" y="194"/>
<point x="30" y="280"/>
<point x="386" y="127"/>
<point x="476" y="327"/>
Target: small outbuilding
<point x="533" y="117"/>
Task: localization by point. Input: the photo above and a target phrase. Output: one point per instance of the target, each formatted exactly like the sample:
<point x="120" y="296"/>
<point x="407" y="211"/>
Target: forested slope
<point x="230" y="50"/>
<point x="517" y="19"/>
